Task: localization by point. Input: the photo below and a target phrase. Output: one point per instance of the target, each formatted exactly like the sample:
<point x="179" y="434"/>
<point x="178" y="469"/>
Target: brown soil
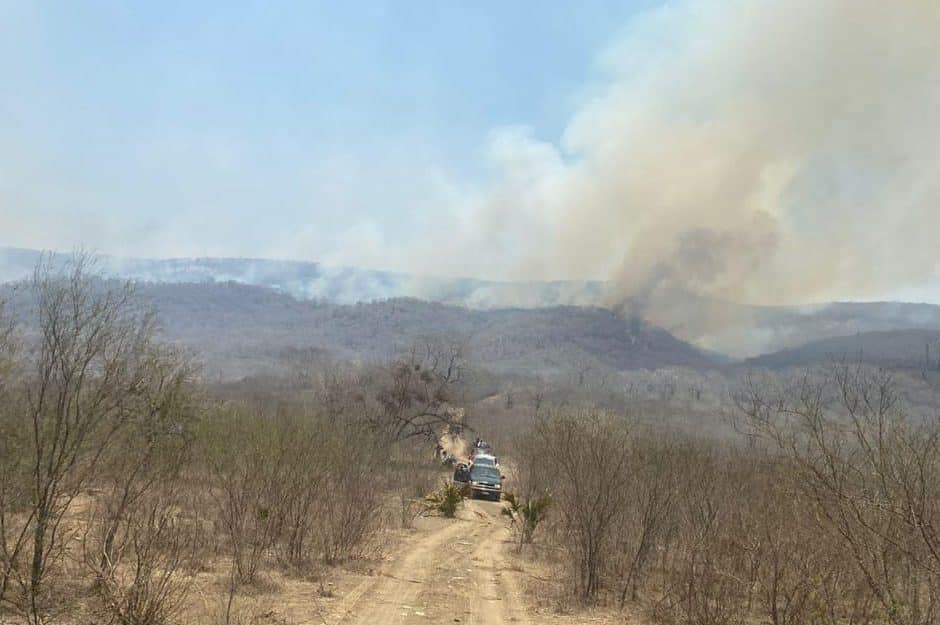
<point x="451" y="571"/>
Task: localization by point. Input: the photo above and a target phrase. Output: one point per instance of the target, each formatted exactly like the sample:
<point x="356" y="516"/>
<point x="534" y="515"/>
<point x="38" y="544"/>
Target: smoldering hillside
<point x="758" y="153"/>
<point x="240" y="330"/>
<point x="773" y="155"/>
<point x="194" y="293"/>
<point x="323" y="282"/>
<point x="246" y="330"/>
<point x="730" y="168"/>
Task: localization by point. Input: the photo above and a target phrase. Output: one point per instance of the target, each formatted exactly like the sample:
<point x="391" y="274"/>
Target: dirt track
<point x="454" y="571"/>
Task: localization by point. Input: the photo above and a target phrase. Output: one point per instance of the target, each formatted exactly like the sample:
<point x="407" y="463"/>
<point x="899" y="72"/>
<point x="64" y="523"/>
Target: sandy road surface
<point x="455" y="572"/>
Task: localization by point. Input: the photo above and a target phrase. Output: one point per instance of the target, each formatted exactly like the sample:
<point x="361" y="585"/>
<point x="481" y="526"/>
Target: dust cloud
<point x="455" y="446"/>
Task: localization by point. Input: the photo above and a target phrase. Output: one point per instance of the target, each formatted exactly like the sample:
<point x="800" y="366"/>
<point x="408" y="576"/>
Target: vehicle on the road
<point x="462" y="475"/>
<point x="486" y="481"/>
<point x="482" y="445"/>
<point x="484" y="450"/>
<point x="486" y="459"/>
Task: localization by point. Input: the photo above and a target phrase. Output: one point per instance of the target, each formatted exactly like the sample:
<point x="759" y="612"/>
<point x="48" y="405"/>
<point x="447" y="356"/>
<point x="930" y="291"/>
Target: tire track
<point x="392" y="597"/>
<point x="457" y="573"/>
<point x="498" y="601"/>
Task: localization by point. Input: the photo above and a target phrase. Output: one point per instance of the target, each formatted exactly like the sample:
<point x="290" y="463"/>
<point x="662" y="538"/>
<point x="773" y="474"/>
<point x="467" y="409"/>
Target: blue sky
<point x="285" y="129"/>
<point x="756" y="151"/>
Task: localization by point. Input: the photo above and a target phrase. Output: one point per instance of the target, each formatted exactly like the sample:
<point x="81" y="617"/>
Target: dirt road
<point x="454" y="572"/>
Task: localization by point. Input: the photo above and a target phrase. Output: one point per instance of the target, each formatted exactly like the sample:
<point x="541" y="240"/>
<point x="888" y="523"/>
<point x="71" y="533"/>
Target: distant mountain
<point x="239" y="330"/>
<point x="342" y="285"/>
<point x="244" y="329"/>
<point x="738" y="330"/>
<point x="796" y="326"/>
<point x="905" y="349"/>
<point x="743" y="331"/>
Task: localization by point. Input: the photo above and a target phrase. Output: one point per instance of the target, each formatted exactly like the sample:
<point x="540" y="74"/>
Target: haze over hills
<point x="240" y="329"/>
<point x="341" y="285"/>
<point x="904" y="349"/>
<point x="245" y="328"/>
<point x="232" y="306"/>
<point x="744" y="331"/>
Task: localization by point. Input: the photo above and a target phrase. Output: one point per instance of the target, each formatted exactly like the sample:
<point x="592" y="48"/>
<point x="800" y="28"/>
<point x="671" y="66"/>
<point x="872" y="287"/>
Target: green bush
<point x="446" y="500"/>
<point x="526" y="516"/>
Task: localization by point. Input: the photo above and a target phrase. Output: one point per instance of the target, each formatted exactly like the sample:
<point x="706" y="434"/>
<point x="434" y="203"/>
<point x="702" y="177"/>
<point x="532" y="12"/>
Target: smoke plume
<point x="773" y="152"/>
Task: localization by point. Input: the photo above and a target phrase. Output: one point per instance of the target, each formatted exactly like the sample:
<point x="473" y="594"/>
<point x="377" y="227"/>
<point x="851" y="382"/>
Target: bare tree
<point x="305" y="482"/>
<point x="420" y="390"/>
<point x="143" y="573"/>
<point x="14" y="490"/>
<point x="871" y="474"/>
<point x="154" y="445"/>
<point x="355" y="472"/>
<point x="247" y="458"/>
<point x="587" y="454"/>
<point x="653" y="490"/>
<point x="140" y="536"/>
<point x="81" y="383"/>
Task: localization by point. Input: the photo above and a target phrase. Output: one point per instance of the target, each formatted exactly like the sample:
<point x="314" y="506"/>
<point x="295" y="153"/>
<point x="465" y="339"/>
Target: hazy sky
<point x="780" y="151"/>
<point x="305" y="129"/>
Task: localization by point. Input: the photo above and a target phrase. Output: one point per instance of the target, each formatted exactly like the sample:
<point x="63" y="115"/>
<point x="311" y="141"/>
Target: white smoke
<point x="754" y="151"/>
<point x="781" y="151"/>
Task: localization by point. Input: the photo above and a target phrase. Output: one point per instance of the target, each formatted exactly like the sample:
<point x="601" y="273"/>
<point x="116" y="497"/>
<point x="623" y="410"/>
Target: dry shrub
<point x="826" y="512"/>
<point x="90" y="372"/>
<point x="350" y="512"/>
<point x="705" y="582"/>
<point x="410" y="477"/>
<point x="304" y="481"/>
<point x="245" y="456"/>
<point x="144" y="573"/>
<point x="293" y="487"/>
<point x="584" y="457"/>
<point x="868" y="474"/>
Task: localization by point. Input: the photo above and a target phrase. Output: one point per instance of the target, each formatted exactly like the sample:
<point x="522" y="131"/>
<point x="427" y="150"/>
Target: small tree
<point x="587" y="454"/>
<point x="81" y="383"/>
<point x="143" y="574"/>
<point x="525" y="516"/>
<point x="350" y="513"/>
<point x="418" y="391"/>
<point x="870" y="473"/>
<point x="247" y="459"/>
<point x="446" y="500"/>
<point x="140" y="537"/>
